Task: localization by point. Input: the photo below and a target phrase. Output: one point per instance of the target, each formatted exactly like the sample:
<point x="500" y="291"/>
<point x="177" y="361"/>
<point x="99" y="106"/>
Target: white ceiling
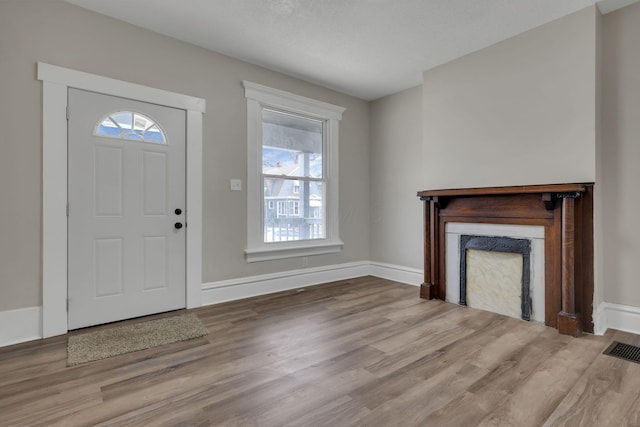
<point x="365" y="48"/>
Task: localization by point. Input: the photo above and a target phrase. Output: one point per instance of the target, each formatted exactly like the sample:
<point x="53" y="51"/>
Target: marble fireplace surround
<point x="566" y="213"/>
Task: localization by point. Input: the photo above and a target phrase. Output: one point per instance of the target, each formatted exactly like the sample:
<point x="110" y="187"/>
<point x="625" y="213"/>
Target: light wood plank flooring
<point x="363" y="352"/>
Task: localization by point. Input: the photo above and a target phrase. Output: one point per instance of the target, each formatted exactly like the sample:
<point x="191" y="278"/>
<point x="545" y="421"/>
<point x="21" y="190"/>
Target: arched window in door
<point x="130" y="125"/>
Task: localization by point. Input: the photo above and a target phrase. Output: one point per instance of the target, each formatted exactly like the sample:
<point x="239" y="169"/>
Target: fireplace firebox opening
<point x="498" y="244"/>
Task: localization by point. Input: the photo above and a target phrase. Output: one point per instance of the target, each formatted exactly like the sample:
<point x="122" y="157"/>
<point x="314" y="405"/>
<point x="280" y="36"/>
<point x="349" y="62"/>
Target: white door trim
<point x="55" y="83"/>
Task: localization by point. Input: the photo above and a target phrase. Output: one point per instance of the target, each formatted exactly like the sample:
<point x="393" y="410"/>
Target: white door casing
<point x="55" y="84"/>
<point x="126" y="241"/>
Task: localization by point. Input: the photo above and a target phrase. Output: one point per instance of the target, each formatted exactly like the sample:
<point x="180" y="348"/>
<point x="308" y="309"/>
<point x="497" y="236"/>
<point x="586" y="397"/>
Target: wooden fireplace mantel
<point x="565" y="211"/>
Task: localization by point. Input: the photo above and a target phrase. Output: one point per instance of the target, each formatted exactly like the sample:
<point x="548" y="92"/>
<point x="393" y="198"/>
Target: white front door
<point x="126" y="194"/>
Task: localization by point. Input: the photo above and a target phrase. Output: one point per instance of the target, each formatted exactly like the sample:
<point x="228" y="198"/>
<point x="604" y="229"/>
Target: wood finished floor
<point x="363" y="352"/>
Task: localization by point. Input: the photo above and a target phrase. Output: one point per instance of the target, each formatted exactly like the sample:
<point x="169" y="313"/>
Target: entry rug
<point x="106" y="343"/>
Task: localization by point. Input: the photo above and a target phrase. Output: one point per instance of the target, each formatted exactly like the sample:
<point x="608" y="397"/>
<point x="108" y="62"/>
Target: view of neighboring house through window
<point x="293" y="176"/>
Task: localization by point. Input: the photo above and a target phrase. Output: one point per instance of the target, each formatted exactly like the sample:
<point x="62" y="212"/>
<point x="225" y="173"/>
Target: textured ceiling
<point x="365" y="48"/>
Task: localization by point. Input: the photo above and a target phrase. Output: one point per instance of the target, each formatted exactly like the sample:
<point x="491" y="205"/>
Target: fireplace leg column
<point x="428" y="287"/>
<point x="568" y="319"/>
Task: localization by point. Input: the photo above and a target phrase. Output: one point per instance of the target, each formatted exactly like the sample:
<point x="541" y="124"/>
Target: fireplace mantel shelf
<point x="522" y="189"/>
<point x="568" y="240"/>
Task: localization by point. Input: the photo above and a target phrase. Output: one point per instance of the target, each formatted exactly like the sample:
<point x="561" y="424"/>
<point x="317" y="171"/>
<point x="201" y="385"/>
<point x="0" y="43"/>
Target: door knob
<point x="178" y="225"/>
<point x="178" y="211"/>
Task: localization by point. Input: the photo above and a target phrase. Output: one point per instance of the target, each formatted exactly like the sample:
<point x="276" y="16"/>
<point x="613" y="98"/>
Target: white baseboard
<point x="617" y="316"/>
<point x="397" y="273"/>
<point x="245" y="287"/>
<point x="16" y="326"/>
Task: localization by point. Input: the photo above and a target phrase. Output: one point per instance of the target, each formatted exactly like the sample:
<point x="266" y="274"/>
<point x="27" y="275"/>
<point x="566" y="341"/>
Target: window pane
<point x="123" y="119"/>
<point x="290" y="216"/>
<point x="132" y="136"/>
<point x="291" y="145"/>
<point x="141" y="122"/>
<point x="153" y="134"/>
<point x="108" y="128"/>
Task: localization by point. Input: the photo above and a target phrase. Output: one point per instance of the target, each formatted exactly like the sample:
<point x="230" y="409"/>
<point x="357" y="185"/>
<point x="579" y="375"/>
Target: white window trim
<point x="259" y="96"/>
<point x="55" y="83"/>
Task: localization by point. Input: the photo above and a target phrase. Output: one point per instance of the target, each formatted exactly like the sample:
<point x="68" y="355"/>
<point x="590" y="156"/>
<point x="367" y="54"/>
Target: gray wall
<point x="519" y="112"/>
<point x="621" y="156"/>
<point x="396" y="177"/>
<point x="61" y="34"/>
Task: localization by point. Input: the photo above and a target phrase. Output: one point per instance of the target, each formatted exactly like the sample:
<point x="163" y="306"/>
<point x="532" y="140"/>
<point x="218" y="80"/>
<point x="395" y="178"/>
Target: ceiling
<point x="365" y="48"/>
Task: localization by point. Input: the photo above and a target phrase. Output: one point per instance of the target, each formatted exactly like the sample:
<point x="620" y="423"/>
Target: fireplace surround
<point x="566" y="213"/>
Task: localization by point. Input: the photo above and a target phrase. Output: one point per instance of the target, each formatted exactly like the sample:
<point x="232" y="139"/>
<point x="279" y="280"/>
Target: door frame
<point x="55" y="84"/>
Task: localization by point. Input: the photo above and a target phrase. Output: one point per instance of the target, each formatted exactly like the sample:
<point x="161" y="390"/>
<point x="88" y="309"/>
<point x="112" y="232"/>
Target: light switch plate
<point x="236" y="185"/>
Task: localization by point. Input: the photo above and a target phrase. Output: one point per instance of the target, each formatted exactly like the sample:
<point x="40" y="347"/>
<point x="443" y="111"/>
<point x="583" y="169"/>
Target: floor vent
<point x="624" y="351"/>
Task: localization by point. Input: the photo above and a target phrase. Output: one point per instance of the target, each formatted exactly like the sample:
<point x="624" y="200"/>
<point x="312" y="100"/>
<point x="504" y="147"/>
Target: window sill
<point x="290" y="251"/>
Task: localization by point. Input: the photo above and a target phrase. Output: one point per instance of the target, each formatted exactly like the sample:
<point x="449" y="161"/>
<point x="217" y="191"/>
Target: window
<point x="295" y="211"/>
<point x="292" y="158"/>
<point x="130" y="125"/>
